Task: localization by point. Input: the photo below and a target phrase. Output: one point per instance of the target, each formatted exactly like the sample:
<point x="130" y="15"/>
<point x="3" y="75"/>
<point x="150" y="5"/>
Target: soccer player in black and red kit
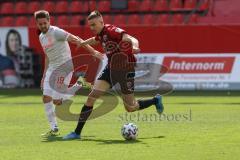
<point x="120" y="69"/>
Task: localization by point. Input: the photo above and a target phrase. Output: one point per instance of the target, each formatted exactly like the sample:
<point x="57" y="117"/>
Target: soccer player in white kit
<point x="54" y="42"/>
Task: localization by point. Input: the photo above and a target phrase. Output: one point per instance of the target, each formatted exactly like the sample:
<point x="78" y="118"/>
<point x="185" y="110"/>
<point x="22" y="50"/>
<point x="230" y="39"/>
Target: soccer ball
<point x="129" y="131"/>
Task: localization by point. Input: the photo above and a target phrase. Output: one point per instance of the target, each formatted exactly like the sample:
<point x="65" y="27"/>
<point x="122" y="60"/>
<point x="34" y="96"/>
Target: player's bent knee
<point x="46" y="99"/>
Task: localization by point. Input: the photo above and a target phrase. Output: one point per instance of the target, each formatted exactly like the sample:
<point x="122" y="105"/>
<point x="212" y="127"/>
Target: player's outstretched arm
<point x="133" y="40"/>
<point x="86" y="45"/>
<point x="74" y="39"/>
<point x="90" y="41"/>
<point x="80" y="42"/>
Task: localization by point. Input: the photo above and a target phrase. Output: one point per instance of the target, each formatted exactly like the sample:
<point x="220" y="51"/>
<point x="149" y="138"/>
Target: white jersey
<point x="55" y="46"/>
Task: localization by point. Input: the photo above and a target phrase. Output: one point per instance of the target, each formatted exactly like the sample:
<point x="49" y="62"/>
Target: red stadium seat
<point x="7" y="8"/>
<point x="107" y="19"/>
<point x="33" y="6"/>
<point x="148" y="19"/>
<point x="119" y="20"/>
<point x="161" y="5"/>
<point x="7" y="21"/>
<point x="177" y="19"/>
<point x="146" y="5"/>
<point x="162" y="19"/>
<point x="190" y="4"/>
<point x="76" y="20"/>
<point x="204" y="5"/>
<point x="32" y="22"/>
<point x="104" y="6"/>
<point x="49" y="6"/>
<point x="62" y="21"/>
<point x="134" y="19"/>
<point x="176" y="5"/>
<point x="21" y="7"/>
<point x="21" y="21"/>
<point x="78" y="7"/>
<point x="193" y="19"/>
<point x="61" y="7"/>
<point x="53" y="20"/>
<point x="133" y="5"/>
<point x="92" y="4"/>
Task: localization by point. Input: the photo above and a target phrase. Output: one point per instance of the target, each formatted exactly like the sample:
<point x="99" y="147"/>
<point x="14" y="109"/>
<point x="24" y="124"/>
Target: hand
<point x="135" y="50"/>
<point x="79" y="42"/>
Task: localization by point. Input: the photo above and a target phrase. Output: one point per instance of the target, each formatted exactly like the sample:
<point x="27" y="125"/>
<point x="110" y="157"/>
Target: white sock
<point x="49" y="109"/>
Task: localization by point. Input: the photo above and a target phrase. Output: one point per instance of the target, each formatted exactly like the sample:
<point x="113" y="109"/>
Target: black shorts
<point x="124" y="78"/>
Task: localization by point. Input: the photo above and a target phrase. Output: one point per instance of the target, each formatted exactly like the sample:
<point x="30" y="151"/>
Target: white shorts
<point x="56" y="86"/>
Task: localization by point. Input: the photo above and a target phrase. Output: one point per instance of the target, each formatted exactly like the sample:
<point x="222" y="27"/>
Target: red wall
<point x="181" y="39"/>
<point x="165" y="39"/>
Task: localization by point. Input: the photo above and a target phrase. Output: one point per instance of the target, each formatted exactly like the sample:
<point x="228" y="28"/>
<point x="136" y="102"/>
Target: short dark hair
<point x="41" y="14"/>
<point x="94" y="14"/>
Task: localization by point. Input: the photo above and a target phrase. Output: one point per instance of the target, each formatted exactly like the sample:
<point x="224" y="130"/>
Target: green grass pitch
<point x="196" y="126"/>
